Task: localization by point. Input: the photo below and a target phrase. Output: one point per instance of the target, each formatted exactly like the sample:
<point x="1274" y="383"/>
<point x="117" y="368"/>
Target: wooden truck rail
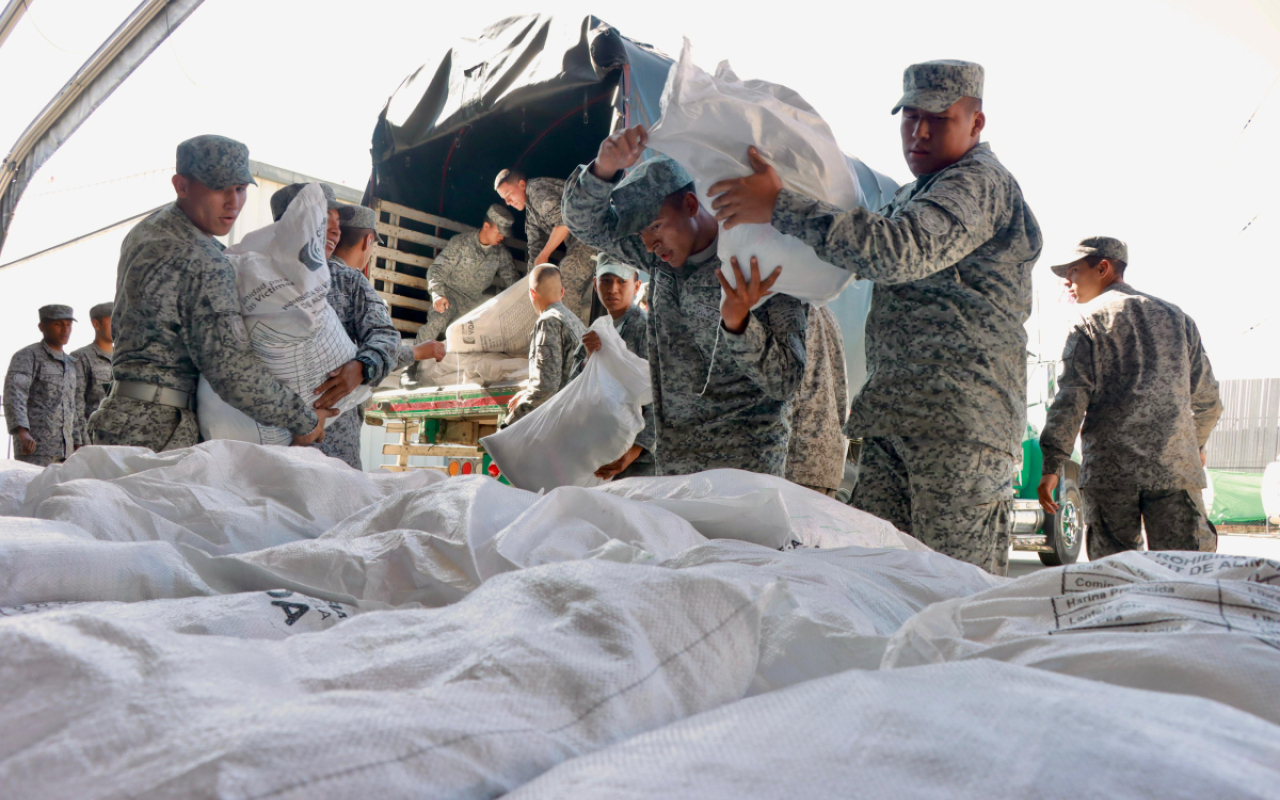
<point x="442" y="421"/>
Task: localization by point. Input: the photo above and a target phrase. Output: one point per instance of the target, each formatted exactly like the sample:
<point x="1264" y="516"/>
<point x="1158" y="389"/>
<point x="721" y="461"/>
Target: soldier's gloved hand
<point x="1047" y="484"/>
<point x="620" y="151"/>
<point x="747" y="200"/>
<point x="25" y="442"/>
<point x="609" y="470"/>
<point x="317" y="433"/>
<point x="591" y="341"/>
<point x="428" y="350"/>
<point x="738" y="300"/>
<point x="441" y="304"/>
<point x="342" y="382"/>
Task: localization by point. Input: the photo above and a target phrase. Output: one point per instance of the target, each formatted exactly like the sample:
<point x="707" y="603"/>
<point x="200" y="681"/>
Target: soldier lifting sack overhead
<point x="944" y="406"/>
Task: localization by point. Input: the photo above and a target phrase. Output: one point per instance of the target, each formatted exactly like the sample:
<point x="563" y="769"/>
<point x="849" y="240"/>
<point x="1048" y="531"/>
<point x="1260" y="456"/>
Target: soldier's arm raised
<point x="587" y="214"/>
<point x="1075" y="388"/>
<point x="935" y="230"/>
<point x="770" y="350"/>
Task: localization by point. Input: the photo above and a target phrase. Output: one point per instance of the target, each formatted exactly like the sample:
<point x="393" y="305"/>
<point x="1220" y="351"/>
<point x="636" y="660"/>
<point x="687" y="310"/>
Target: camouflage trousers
<point x="342" y="437"/>
<point x="955" y="496"/>
<point x="37" y="459"/>
<point x="133" y="423"/>
<point x="435" y="325"/>
<point x="577" y="273"/>
<point x="1174" y="520"/>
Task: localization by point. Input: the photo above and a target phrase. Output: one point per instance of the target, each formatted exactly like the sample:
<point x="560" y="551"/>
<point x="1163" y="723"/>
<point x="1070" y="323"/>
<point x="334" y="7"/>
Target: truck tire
<point x="1064" y="531"/>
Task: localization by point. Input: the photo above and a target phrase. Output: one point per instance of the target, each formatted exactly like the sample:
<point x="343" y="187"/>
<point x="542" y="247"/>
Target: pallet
<point x="399" y="269"/>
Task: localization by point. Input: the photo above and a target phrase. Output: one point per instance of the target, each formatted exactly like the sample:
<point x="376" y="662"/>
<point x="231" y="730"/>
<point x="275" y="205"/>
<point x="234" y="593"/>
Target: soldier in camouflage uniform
<point x="818" y="444"/>
<point x="464" y="268"/>
<point x="93" y="361"/>
<point x="944" y="407"/>
<point x="544" y="228"/>
<point x="42" y="394"/>
<point x="367" y="322"/>
<point x="557" y="336"/>
<point x="617" y="285"/>
<point x="177" y="316"/>
<point x="1135" y="372"/>
<point x="723" y="375"/>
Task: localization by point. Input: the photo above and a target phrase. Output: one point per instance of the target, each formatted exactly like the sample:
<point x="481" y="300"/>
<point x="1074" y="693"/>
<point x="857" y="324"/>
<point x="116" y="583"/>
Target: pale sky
<point x="1118" y="118"/>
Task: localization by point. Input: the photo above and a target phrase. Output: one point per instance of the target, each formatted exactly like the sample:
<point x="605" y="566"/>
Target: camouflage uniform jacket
<point x="633" y="327"/>
<point x="543" y="212"/>
<point x="42" y="394"/>
<point x="557" y="335"/>
<point x="951" y="257"/>
<point x="742" y="419"/>
<point x="365" y="318"/>
<point x="177" y="316"/>
<point x="465" y="268"/>
<point x="818" y="445"/>
<point x="1135" y="371"/>
<point x="93" y="367"/>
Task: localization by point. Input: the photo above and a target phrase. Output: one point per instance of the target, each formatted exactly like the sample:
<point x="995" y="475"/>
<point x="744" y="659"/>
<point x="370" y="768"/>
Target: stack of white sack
<point x="503" y="324"/>
<point x="707" y="124"/>
<point x="589" y="423"/>
<point x="282" y="278"/>
<point x="482" y="368"/>
<point x="466" y="637"/>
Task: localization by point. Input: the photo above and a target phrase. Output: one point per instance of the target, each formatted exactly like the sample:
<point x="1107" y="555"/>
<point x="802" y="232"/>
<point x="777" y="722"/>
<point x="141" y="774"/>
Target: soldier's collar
<point x="706" y="254"/>
<point x="335" y="257"/>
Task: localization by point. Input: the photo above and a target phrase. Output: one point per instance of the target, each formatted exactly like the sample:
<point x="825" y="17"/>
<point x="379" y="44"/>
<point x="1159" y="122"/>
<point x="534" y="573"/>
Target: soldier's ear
<point x="979" y="123"/>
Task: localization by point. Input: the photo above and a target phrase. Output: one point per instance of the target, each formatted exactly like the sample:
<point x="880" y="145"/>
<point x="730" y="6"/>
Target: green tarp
<point x="1237" y="498"/>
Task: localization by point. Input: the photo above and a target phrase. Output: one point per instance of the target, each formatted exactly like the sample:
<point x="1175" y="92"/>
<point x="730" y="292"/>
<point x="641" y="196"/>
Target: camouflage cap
<point x="501" y="218"/>
<point x="352" y="216"/>
<point x="935" y="86"/>
<point x="638" y="197"/>
<point x="1103" y="246"/>
<point x="283" y="197"/>
<point x="608" y="265"/>
<point x="215" y="161"/>
<point x="56" y="312"/>
<point x="102" y="310"/>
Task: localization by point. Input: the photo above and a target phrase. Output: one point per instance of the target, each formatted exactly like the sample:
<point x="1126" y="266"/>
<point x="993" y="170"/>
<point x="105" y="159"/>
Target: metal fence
<point x="1247" y="438"/>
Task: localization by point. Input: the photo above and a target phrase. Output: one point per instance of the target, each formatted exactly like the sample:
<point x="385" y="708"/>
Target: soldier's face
<point x="617" y="293"/>
<point x="213" y="211"/>
<point x="513" y="194"/>
<point x="931" y="142"/>
<point x="490" y="235"/>
<point x="1084" y="282"/>
<point x="102" y="329"/>
<point x="670" y="237"/>
<point x="56" y="332"/>
<point x="332" y="233"/>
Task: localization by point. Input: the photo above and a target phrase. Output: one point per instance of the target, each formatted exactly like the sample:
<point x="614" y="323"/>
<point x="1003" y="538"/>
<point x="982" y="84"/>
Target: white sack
<point x="981" y="730"/>
<point x="468" y="701"/>
<point x="218" y="497"/>
<point x="845" y="602"/>
<point x="14" y="477"/>
<point x="482" y="368"/>
<point x="589" y="423"/>
<point x="502" y="324"/>
<point x="42" y="561"/>
<point x="282" y="277"/>
<point x="764" y="509"/>
<point x="252" y="615"/>
<point x="1186" y="623"/>
<point x="707" y="124"/>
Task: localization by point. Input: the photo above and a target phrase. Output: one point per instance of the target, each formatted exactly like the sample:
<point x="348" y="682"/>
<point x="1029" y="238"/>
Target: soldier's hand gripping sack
<point x="707" y="124"/>
<point x="587" y="424"/>
<point x="282" y="278"/>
